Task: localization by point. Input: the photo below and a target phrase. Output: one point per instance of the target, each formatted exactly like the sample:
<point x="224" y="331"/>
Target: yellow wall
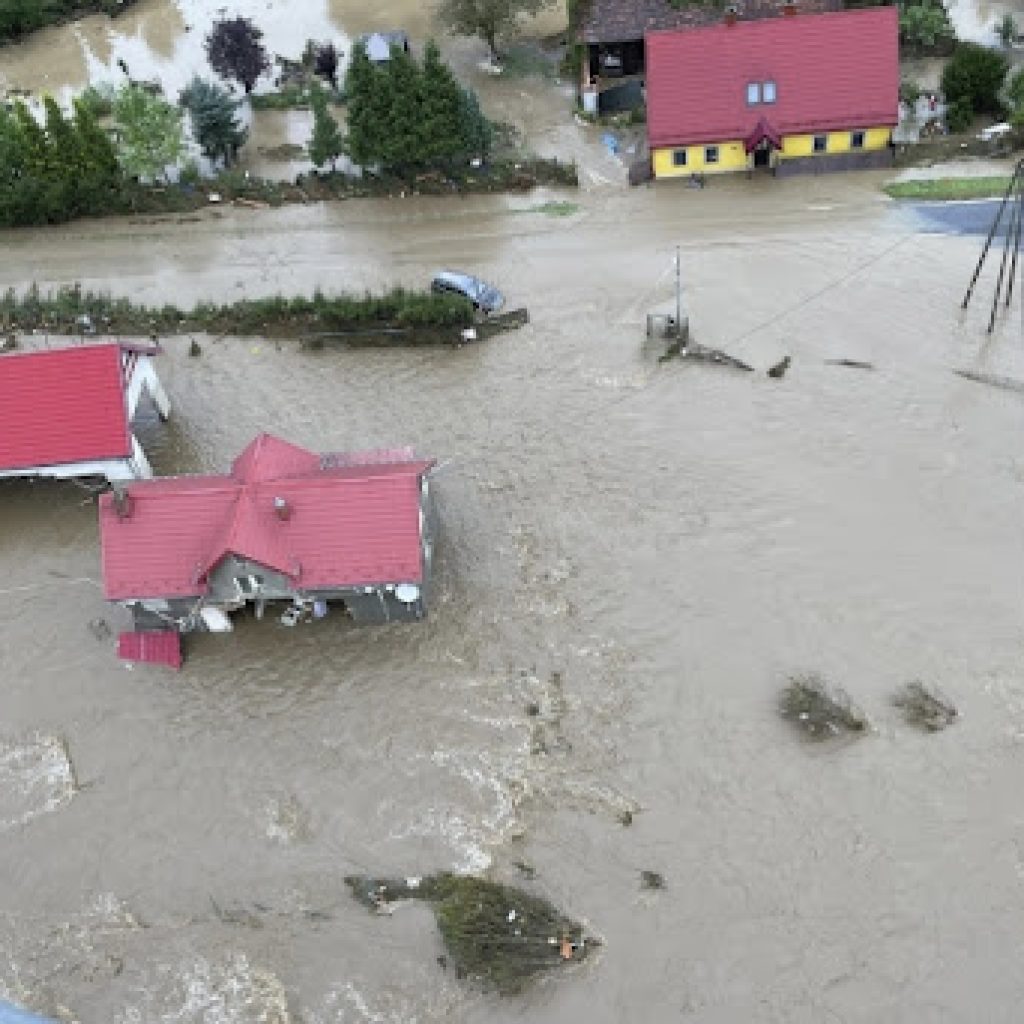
<point x="838" y="142"/>
<point x="731" y="157"/>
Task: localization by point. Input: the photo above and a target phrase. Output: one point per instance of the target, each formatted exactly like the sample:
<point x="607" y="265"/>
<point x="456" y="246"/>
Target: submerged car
<point x="485" y="297"/>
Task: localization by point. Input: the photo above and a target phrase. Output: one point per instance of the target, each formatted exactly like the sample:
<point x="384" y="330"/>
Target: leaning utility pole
<point x="1012" y="208"/>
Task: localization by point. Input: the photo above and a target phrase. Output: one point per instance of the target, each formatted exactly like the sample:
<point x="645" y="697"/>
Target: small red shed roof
<point x="341" y="525"/>
<point x="831" y="72"/>
<point x="151" y="647"/>
<point x="62" y="405"/>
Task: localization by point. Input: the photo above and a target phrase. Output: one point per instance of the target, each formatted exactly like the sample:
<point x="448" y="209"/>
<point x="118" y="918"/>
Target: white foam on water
<point x="201" y="991"/>
<point x="36" y="777"/>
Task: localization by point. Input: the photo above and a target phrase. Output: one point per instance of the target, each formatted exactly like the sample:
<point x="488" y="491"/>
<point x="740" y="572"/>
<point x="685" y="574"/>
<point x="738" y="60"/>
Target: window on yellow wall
<point x="820" y="143"/>
<point x="679" y="157"/>
<point x="856" y="140"/>
<point x="711" y="154"/>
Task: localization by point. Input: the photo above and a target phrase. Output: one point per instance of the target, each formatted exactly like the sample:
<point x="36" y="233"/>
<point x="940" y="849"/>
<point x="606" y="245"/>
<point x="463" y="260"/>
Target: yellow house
<point x="799" y="92"/>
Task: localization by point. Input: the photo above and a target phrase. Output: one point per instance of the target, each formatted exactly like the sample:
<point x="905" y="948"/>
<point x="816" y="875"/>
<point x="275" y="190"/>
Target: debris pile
<point x="498" y="935"/>
<point x="819" y="710"/>
<point x="925" y="707"/>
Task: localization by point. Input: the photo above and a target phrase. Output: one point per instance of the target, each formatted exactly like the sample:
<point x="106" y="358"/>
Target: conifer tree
<point x="365" y="91"/>
<point x="326" y="143"/>
<point x="215" y="124"/>
<point x="441" y="140"/>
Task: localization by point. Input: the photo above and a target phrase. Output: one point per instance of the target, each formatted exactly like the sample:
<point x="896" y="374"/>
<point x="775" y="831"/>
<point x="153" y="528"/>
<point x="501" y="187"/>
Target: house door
<point x="763" y="155"/>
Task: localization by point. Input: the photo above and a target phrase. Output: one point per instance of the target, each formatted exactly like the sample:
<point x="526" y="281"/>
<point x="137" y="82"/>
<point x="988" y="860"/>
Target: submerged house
<point x="68" y="412"/>
<point x="378" y="44"/>
<point x="285" y="524"/>
<point x="807" y="92"/>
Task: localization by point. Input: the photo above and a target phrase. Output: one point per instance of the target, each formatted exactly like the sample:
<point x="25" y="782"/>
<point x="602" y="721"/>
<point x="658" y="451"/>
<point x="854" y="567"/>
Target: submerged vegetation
<point x="937" y="189"/>
<point x="925" y="707"/>
<point x="72" y="310"/>
<point x="19" y="17"/>
<point x="819" y="710"/>
<point x="494" y="934"/>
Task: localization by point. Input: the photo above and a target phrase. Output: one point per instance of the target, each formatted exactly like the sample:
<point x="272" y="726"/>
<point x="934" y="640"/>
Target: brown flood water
<point x="645" y="551"/>
<point x="671" y="540"/>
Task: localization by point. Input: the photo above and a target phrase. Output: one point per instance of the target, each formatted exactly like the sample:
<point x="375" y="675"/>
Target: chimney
<point x="789" y="8"/>
<point x="730" y="15"/>
<point x="122" y="503"/>
<point x="282" y="509"/>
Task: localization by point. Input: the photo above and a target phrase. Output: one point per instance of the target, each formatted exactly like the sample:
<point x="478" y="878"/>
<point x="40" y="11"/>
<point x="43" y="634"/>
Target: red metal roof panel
<point x="61" y="406"/>
<point x="832" y="71"/>
<point x="151" y="647"/>
<point x="355" y="525"/>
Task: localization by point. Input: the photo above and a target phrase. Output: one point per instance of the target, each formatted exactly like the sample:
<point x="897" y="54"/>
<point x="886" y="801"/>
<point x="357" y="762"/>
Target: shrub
<point x="909" y="92"/>
<point x="959" y="115"/>
<point x="975" y="75"/>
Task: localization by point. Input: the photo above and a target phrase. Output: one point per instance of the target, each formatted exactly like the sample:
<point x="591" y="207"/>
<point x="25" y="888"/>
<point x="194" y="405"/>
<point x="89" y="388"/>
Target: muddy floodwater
<point x="643" y="550"/>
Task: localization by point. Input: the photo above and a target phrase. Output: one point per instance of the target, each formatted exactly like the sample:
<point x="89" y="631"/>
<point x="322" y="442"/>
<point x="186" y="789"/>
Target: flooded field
<point x="634" y="558"/>
<point x="643" y="551"/>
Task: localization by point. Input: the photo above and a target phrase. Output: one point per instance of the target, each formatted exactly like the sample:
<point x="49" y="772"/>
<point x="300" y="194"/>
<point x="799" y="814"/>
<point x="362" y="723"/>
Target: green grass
<point x="937" y="189"/>
<point x="292" y="97"/>
<point x="560" y="208"/>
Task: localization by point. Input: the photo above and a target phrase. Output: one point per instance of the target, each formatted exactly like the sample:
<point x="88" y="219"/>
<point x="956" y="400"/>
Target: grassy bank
<point x="20" y="19"/>
<point x="938" y="189"/>
<point x="408" y="317"/>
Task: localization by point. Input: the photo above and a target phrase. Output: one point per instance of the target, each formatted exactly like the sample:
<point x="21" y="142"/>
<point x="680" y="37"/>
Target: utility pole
<point x="679" y="296"/>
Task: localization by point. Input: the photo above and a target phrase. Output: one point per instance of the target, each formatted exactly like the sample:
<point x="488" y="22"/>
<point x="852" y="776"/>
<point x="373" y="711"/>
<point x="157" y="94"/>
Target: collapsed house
<point x="68" y="412"/>
<point x="284" y="525"/>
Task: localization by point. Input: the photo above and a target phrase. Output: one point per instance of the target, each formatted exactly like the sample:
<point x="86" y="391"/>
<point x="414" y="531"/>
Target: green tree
<point x="100" y="174"/>
<point x="1006" y="30"/>
<point x="925" y="24"/>
<point x="149" y="132"/>
<point x="401" y="141"/>
<point x="215" y="124"/>
<point x="975" y="75"/>
<point x="442" y="111"/>
<point x="39" y="187"/>
<point x="1015" y="89"/>
<point x="326" y="143"/>
<point x="365" y="87"/>
<point x="488" y="19"/>
<point x="476" y="130"/>
<point x="13" y="166"/>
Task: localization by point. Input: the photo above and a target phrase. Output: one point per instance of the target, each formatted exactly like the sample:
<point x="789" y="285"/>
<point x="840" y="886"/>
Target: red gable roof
<point x="346" y="525"/>
<point x="63" y="405"/>
<point x="832" y="71"/>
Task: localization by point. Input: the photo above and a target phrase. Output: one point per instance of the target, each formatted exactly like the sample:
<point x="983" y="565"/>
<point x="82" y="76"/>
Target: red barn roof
<point x="340" y="525"/>
<point x="832" y="72"/>
<point x="63" y="405"/>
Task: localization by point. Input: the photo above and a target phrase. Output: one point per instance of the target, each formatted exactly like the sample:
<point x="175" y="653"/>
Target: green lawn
<point x="948" y="188"/>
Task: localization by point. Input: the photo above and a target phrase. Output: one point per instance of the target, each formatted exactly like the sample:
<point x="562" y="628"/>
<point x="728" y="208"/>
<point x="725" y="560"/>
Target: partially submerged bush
<point x="925" y="707"/>
<point x="498" y="935"/>
<point x="818" y="709"/>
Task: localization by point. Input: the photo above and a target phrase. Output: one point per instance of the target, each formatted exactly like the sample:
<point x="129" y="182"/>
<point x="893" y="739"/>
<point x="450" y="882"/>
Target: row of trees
<point x="975" y="82"/>
<point x="19" y="17"/>
<point x="403" y="116"/>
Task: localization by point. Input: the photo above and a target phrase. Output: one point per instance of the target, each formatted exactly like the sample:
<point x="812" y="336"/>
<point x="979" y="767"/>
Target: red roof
<point x="346" y="525"/>
<point x="832" y="72"/>
<point x="154" y="647"/>
<point x="63" y="405"/>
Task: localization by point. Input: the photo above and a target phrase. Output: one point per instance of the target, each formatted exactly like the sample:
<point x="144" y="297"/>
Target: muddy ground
<point x="639" y="552"/>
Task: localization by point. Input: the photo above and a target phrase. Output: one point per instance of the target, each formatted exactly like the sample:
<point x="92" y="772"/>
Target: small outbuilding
<point x="68" y="412"/>
<point x="378" y="45"/>
<point x="284" y="525"/>
<point x="805" y="92"/>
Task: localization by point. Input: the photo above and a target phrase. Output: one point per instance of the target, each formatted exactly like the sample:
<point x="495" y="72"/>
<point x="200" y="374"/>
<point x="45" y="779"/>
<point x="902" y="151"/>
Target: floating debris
<point x="624" y="818"/>
<point x="652" y="880"/>
<point x="925" y="707"/>
<point x="498" y="935"/>
<point x="819" y="710"/>
<point x="701" y="353"/>
<point x="526" y="870"/>
<point x="100" y="629"/>
<point x="779" y="369"/>
<point x="993" y="380"/>
<point x="856" y="364"/>
<point x="194" y="348"/>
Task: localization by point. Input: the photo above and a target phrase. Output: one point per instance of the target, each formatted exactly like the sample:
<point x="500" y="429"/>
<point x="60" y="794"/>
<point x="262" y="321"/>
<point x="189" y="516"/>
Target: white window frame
<point x="853" y="136"/>
<point x="679" y="158"/>
<point x="711" y="154"/>
<point x="753" y="94"/>
<point x="824" y="145"/>
<point x="769" y="91"/>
